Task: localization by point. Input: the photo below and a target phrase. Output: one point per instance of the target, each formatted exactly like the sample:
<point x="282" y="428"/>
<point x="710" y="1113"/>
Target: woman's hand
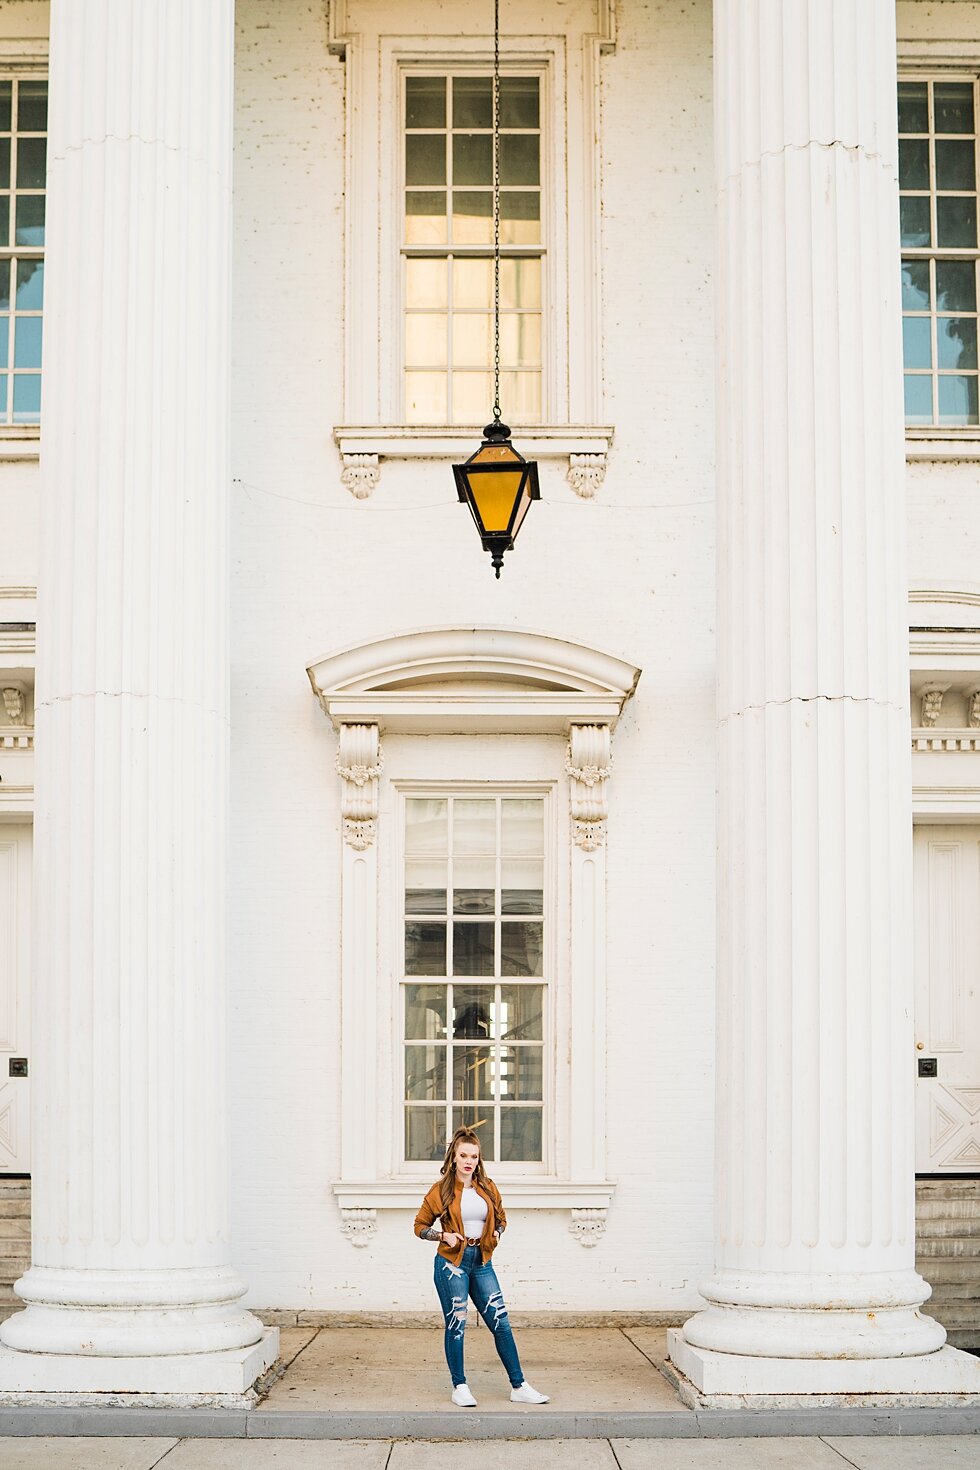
<point x="450" y="1239"/>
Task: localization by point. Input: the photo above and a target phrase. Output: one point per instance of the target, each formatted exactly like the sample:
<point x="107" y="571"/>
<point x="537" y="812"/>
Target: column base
<point x="127" y="1314"/>
<point x="792" y="1314"/>
<point x="185" y="1380"/>
<point x="710" y="1380"/>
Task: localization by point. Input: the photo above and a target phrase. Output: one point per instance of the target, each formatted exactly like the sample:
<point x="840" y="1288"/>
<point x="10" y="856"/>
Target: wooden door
<point x="947" y="999"/>
<point x="15" y="998"/>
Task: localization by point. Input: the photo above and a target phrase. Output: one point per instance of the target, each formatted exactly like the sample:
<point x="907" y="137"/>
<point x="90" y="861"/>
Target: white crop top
<point x="473" y="1209"/>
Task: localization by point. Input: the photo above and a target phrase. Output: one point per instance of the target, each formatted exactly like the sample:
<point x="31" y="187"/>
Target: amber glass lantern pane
<point x="495" y="491"/>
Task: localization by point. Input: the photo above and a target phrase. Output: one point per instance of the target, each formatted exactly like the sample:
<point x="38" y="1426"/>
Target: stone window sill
<point x="942" y="444"/>
<point x="588" y="1204"/>
<point x="20" y="441"/>
<point x="526" y="1194"/>
<point x="364" y="447"/>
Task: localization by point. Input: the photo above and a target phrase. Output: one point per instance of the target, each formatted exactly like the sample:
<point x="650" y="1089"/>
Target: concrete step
<point x="964" y="1316"/>
<point x="967" y="1338"/>
<point x="15" y="1227"/>
<point x="967" y="1306"/>
<point x="966" y="1289"/>
<point x="939" y="1229"/>
<point x="956" y="1246"/>
<point x="941" y="1273"/>
<point x="953" y="1187"/>
<point x="959" y="1207"/>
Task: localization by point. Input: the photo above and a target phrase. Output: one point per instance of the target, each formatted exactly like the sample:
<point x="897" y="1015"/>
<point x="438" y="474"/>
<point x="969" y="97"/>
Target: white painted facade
<point x="344" y="533"/>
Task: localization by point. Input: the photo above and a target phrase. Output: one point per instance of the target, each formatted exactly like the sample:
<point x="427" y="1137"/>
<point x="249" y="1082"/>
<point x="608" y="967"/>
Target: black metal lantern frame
<point x="475" y="487"/>
<point x="498" y="510"/>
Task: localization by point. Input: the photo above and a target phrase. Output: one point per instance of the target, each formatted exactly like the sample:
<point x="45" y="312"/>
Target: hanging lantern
<point x="498" y="485"/>
<point x="496" y="482"/>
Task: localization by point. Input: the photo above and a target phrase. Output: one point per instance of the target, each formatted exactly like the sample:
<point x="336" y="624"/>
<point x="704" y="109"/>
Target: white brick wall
<point x="632" y="572"/>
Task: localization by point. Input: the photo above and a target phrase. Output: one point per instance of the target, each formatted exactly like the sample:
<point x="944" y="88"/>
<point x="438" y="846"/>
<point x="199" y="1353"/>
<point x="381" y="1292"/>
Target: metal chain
<point x="496" y="211"/>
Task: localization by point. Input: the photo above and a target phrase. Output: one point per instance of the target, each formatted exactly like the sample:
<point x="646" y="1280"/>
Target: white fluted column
<point x="130" y="1212"/>
<point x="815" y="1182"/>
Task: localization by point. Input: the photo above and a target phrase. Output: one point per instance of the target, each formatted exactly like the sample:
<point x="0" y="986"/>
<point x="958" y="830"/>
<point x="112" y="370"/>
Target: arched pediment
<point x="472" y="679"/>
<point x="951" y="607"/>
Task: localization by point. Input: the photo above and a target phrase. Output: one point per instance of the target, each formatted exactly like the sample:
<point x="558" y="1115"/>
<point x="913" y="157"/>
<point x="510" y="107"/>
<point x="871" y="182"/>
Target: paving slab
<point x="83" y="1454"/>
<point x="652" y="1341"/>
<point x="600" y="1349"/>
<point x="398" y="1369"/>
<point x="274" y="1454"/>
<point x="937" y="1452"/>
<point x="555" y="1454"/>
<point x="292" y="1341"/>
<point x="729" y="1454"/>
<point x="370" y="1347"/>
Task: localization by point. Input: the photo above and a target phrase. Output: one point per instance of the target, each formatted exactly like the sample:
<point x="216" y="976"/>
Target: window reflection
<point x="938" y="188"/>
<point x="474" y="1036"/>
<point x="23" y="158"/>
<point x="448" y="208"/>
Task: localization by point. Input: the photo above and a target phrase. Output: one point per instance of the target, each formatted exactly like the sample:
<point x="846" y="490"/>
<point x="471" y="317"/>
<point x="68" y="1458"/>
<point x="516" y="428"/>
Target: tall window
<point x="23" y="146"/>
<point x="475" y="975"/>
<point x="447" y="248"/>
<point x="937" y="124"/>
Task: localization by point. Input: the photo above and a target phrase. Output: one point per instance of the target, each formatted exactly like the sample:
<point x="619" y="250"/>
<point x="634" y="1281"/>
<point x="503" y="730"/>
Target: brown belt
<point x="474" y="1239"/>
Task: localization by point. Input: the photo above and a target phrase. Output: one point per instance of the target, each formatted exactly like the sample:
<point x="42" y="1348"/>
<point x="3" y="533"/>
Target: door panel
<point x="947" y="999"/>
<point x="15" y="1009"/>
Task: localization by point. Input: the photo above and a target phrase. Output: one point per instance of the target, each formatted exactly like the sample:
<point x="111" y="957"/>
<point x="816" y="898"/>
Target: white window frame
<point x="573" y="398"/>
<point x="917" y="61"/>
<point x="553" y="205"/>
<point x="554" y="978"/>
<point x="452" y="682"/>
<point x="28" y="60"/>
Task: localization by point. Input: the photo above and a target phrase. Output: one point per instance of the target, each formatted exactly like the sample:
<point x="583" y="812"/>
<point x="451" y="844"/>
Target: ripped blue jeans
<point x="455" y="1284"/>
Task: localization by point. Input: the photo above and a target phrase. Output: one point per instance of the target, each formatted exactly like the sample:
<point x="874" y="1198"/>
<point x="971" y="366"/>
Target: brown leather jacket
<point x="496" y="1221"/>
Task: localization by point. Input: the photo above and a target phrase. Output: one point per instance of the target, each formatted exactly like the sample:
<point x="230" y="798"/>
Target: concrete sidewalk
<point x="391" y="1384"/>
<point x="584" y="1370"/>
<point x="588" y="1454"/>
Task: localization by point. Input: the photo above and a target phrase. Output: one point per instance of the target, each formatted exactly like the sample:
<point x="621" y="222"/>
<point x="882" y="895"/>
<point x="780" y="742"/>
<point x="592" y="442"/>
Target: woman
<point x="464" y="1213"/>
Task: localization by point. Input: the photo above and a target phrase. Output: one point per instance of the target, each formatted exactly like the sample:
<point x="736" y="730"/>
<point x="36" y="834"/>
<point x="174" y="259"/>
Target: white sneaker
<point x="527" y="1395"/>
<point x="463" y="1398"/>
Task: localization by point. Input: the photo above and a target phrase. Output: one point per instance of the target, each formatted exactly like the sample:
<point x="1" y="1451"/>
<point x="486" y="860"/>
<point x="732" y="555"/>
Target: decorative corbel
<point x="360" y="1226"/>
<point x="932" y="704"/>
<point x="361" y="474"/>
<point x="589" y="765"/>
<point x="359" y="764"/>
<point x="588" y="1226"/>
<point x="14" y="705"/>
<point x="973" y="709"/>
<point x="586" y="473"/>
